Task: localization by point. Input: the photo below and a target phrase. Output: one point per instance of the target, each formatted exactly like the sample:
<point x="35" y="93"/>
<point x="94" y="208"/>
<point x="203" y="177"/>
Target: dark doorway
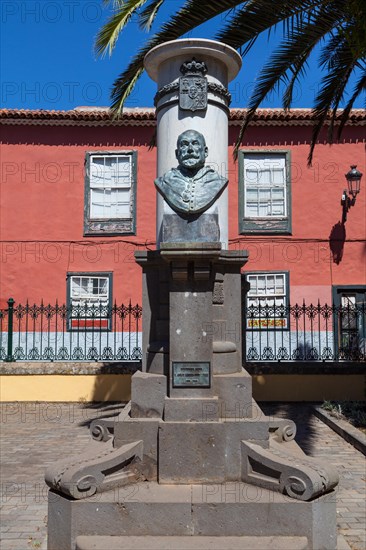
<point x="350" y="322"/>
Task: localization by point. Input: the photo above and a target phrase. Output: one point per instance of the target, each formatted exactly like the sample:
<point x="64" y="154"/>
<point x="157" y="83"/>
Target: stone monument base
<point x="192" y="455"/>
<point x="238" y="514"/>
<point x="191" y="543"/>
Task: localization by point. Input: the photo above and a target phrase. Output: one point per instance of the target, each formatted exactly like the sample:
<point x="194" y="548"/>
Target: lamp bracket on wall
<point x="349" y="195"/>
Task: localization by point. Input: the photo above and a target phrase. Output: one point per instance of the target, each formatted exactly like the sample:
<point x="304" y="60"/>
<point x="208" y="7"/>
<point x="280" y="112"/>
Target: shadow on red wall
<point x="337" y="239"/>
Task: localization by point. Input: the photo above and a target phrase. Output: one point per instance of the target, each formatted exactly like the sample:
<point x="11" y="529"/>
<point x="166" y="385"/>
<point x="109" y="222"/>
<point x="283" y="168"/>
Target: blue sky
<point x="48" y="60"/>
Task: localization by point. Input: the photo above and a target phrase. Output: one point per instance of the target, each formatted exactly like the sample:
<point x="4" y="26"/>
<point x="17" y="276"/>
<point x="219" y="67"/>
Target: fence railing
<point x="113" y="333"/>
<point x="305" y="333"/>
<point x="70" y="333"/>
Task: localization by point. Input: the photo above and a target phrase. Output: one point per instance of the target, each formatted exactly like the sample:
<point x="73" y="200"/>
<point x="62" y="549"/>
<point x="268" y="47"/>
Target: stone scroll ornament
<point x="192" y="187"/>
<point x="100" y="469"/>
<point x="278" y="469"/>
<point x="193" y="86"/>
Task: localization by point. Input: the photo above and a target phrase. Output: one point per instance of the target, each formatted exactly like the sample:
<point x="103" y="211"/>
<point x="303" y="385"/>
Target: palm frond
<point x="297" y="70"/>
<point x="119" y="98"/>
<point x="289" y="56"/>
<point x="260" y="15"/>
<point x="148" y="14"/>
<point x="108" y="35"/>
<point x="331" y="93"/>
<point x="191" y="15"/>
<point x="358" y="89"/>
<point x="243" y="50"/>
<point x="328" y="53"/>
<point x="194" y="13"/>
<point x="153" y="140"/>
<point x="305" y="24"/>
<point x="113" y="3"/>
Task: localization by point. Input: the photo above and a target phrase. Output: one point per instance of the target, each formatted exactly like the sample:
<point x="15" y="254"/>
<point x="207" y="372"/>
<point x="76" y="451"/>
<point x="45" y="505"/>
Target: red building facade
<point x="78" y="199"/>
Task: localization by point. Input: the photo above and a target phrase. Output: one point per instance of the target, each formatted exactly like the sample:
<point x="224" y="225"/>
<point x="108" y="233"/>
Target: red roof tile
<point x="297" y="116"/>
<point x="146" y="116"/>
<point x="79" y="114"/>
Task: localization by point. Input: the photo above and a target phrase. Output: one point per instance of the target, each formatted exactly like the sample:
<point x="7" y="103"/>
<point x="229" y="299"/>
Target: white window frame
<point x="257" y="167"/>
<point x="116" y="184"/>
<point x="258" y="187"/>
<point x="260" y="293"/>
<point x="89" y="298"/>
<point x="95" y="307"/>
<point x="113" y="215"/>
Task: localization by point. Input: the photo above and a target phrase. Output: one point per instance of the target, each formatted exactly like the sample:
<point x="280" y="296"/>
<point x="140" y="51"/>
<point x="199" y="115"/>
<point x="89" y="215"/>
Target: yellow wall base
<point x="43" y="387"/>
<point x="117" y="387"/>
<point x="309" y="387"/>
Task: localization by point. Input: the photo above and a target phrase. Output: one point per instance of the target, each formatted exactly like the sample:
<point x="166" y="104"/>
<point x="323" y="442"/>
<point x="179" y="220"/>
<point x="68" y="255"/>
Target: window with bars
<point x="89" y="300"/>
<point x="264" y="193"/>
<point x="110" y="193"/>
<point x="267" y="300"/>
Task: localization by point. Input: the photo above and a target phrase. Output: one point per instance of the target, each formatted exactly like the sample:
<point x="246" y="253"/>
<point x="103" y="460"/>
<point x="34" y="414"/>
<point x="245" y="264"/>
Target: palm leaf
<point x="191" y="15"/>
<point x="113" y="3"/>
<point x="108" y="35"/>
<point x="297" y="70"/>
<point x="117" y="104"/>
<point x="260" y="15"/>
<point x="332" y="89"/>
<point x="358" y="89"/>
<point x="304" y="25"/>
<point x="148" y="14"/>
<point x="289" y="56"/>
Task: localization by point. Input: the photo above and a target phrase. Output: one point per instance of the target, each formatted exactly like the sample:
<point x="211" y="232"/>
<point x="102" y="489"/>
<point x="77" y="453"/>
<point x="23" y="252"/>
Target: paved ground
<point x="35" y="434"/>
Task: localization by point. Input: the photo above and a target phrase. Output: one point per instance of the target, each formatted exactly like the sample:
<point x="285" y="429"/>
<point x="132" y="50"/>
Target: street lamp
<point x="353" y="178"/>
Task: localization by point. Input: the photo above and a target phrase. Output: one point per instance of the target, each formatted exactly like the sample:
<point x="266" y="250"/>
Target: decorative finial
<point x="194" y="67"/>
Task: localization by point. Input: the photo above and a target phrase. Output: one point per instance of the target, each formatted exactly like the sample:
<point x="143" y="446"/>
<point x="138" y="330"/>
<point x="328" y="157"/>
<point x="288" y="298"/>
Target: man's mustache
<point x="191" y="156"/>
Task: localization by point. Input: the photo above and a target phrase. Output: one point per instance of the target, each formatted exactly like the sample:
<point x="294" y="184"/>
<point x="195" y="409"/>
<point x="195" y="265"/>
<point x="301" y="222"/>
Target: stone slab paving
<point x="32" y="435"/>
<point x="318" y="440"/>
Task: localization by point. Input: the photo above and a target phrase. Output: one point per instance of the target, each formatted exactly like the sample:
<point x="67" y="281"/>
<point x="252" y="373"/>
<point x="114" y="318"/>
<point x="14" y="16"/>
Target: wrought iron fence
<point x="305" y="333"/>
<point x="70" y="333"/>
<point x="113" y="333"/>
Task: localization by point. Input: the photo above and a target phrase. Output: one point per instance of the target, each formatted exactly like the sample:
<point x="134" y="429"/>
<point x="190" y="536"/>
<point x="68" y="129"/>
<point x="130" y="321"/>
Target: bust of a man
<point x="192" y="187"/>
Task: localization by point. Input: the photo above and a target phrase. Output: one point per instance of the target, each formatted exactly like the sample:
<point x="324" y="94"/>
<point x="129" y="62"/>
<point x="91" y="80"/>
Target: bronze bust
<point x="192" y="187"/>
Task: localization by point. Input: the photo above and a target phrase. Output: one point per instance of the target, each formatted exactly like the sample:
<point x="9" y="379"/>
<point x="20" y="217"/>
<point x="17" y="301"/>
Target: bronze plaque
<point x="192" y="93"/>
<point x="193" y="374"/>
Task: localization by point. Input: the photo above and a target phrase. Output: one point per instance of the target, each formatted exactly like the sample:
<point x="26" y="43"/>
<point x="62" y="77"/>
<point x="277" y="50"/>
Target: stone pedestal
<point x="192" y="309"/>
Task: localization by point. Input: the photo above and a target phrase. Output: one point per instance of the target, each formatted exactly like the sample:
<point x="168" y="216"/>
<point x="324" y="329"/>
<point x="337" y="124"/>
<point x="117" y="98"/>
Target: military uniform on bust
<point x="192" y="187"/>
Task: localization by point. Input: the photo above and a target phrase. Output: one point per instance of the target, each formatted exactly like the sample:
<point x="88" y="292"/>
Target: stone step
<point x="150" y="509"/>
<point x="190" y="543"/>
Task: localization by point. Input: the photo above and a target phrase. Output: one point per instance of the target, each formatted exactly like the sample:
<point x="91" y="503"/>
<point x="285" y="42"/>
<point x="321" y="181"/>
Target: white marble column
<point x="163" y="65"/>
